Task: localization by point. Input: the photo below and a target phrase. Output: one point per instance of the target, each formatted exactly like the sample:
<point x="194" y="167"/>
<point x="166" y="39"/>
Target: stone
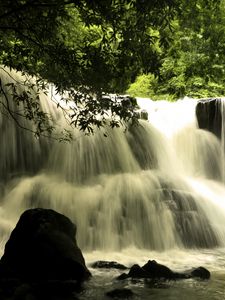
<point x="154" y="270"/>
<point x="209" y="115"/>
<point x="138" y="272"/>
<point x="108" y="265"/>
<point x="200" y="272"/>
<point x="144" y="115"/>
<point x="43" y="247"/>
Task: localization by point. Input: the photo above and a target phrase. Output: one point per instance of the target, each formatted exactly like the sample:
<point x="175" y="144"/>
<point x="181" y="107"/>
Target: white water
<point x="154" y="192"/>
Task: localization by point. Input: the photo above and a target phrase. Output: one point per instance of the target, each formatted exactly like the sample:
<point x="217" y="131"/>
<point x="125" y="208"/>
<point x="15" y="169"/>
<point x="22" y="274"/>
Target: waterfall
<point x="154" y="186"/>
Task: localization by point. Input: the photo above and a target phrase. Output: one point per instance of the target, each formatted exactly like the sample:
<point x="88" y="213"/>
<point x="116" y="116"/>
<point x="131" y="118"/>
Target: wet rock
<point x="144" y="114"/>
<point x="43" y="245"/>
<point x="153" y="270"/>
<point x="42" y="255"/>
<point x="156" y="270"/>
<point x="190" y="220"/>
<point x="143" y="147"/>
<point x="120" y="293"/>
<point x="108" y="265"/>
<point x="209" y="115"/>
<point x="125" y="100"/>
<point x="200" y="272"/>
<point x="138" y="272"/>
<point x="141" y="114"/>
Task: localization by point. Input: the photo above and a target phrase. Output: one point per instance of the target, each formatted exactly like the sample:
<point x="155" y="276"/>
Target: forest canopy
<point x="90" y="48"/>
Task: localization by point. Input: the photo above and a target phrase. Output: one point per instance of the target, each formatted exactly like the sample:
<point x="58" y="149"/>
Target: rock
<point x="120" y="293"/>
<point x="122" y="276"/>
<point x="137" y="272"/>
<point x="153" y="270"/>
<point x="108" y="265"/>
<point x="144" y="114"/>
<point x="43" y="247"/>
<point x="200" y="272"/>
<point x="209" y="115"/>
<point x="156" y="270"/>
<point x="190" y="220"/>
<point x="126" y="100"/>
<point x="143" y="148"/>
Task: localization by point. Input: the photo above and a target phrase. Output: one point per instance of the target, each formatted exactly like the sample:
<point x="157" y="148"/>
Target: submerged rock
<point x="154" y="270"/>
<point x="108" y="265"/>
<point x="42" y="249"/>
<point x="190" y="219"/>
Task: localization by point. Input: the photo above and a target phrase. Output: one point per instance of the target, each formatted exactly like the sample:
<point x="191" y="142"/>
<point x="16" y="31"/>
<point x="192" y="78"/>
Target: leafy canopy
<point x="86" y="48"/>
<point x="193" y="63"/>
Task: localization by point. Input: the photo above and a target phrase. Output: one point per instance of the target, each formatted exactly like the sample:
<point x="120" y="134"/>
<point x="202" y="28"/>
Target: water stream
<point x="154" y="191"/>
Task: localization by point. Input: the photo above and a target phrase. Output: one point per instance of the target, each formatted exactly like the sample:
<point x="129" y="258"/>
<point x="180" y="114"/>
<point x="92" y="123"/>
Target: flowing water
<point x="154" y="191"/>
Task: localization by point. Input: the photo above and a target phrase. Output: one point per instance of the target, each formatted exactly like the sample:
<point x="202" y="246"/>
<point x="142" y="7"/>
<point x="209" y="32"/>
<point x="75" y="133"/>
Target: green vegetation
<point x="157" y="49"/>
<point x="143" y="86"/>
<point x="193" y="63"/>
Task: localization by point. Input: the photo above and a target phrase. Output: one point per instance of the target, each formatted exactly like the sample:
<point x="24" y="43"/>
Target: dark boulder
<point x="156" y="270"/>
<point x="209" y="115"/>
<point x="200" y="272"/>
<point x="153" y="270"/>
<point x="108" y="265"/>
<point x="138" y="272"/>
<point x="43" y="247"/>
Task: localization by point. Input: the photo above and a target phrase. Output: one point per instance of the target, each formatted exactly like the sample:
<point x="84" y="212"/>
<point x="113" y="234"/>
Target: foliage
<point x="85" y="46"/>
<point x="142" y="87"/>
<point x="172" y="48"/>
<point x="193" y="63"/>
<point x="99" y="44"/>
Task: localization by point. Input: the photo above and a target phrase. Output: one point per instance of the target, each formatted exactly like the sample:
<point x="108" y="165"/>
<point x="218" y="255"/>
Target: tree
<point x="194" y="65"/>
<point x="142" y="87"/>
<point x="85" y="47"/>
<point x="192" y="60"/>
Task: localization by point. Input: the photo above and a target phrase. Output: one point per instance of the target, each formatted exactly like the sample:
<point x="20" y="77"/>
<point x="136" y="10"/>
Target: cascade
<point x="155" y="186"/>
